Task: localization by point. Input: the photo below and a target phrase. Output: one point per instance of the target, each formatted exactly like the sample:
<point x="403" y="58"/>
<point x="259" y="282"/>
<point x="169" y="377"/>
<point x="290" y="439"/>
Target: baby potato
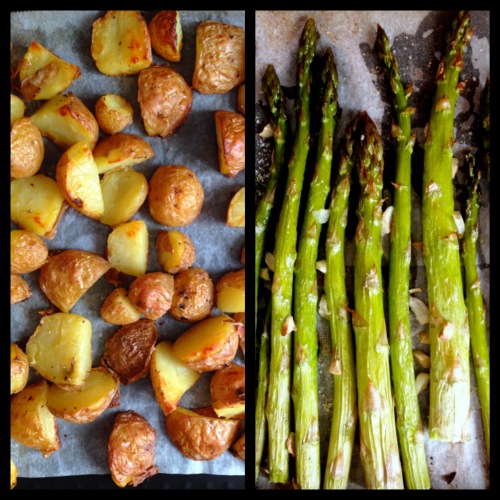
<point x="230" y="132"/>
<point x="17" y="108"/>
<point x="240" y="318"/>
<point x="165" y="100"/>
<point x="113" y="113"/>
<point x="230" y="292"/>
<point x="175" y="195"/>
<point x="13" y="474"/>
<point x="131" y="449"/>
<point x="175" y="251"/>
<point x="220" y="57"/>
<point x="117" y="308"/>
<point x="241" y="99"/>
<point x="19" y="289"/>
<point x="128" y="350"/>
<point x="151" y="294"/>
<point x="28" y="252"/>
<point x="19" y="368"/>
<point x="238" y="447"/>
<point x="227" y="390"/>
<point x="165" y="30"/>
<point x="236" y="209"/>
<point x="193" y="298"/>
<point x="26" y="149"/>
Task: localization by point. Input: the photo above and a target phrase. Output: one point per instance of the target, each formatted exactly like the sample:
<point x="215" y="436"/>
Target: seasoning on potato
<point x="165" y="29"/>
<point x="19" y="289"/>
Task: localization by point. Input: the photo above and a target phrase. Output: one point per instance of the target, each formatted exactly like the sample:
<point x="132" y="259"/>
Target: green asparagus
<point x="408" y="421"/>
<point x="448" y="326"/>
<point x="278" y="407"/>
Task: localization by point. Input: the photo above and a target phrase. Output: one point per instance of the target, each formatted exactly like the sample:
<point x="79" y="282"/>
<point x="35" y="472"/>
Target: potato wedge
<point x="241" y="99"/>
<point x="230" y="292"/>
<point x="236" y="209"/>
<point x="19" y="289"/>
<point x="28" y="252"/>
<point x="78" y="180"/>
<point x="43" y="74"/>
<point x="227" y="390"/>
<point x="64" y="119"/>
<point x="19" y="368"/>
<point x="165" y="29"/>
<point x="121" y="150"/>
<point x="151" y="294"/>
<point x="121" y="43"/>
<point x="13" y="474"/>
<point x="175" y="251"/>
<point x="31" y="422"/>
<point x="60" y="349"/>
<point x="36" y="204"/>
<point x="220" y="57"/>
<point x="26" y="148"/>
<point x="17" y="108"/>
<point x="169" y="377"/>
<point x="230" y="132"/>
<point x="124" y="191"/>
<point x="128" y="247"/>
<point x="199" y="437"/>
<point x="113" y="113"/>
<point x="100" y="388"/>
<point x="238" y="447"/>
<point x="128" y="350"/>
<point x="117" y="308"/>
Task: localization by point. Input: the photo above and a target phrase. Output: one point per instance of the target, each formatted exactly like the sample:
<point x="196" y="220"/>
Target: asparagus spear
<point x="408" y="421"/>
<point x="448" y="326"/>
<point x="345" y="411"/>
<point x="278" y="407"/>
<point x="474" y="301"/>
<point x="378" y="436"/>
<point x="305" y="376"/>
<point x="485" y="124"/>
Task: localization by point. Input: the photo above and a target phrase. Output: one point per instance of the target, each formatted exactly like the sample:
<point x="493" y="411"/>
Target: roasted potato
<point x="175" y="195"/>
<point x="175" y="251"/>
<point x="113" y="113"/>
<point x="238" y="447"/>
<point x="151" y="294"/>
<point x="31" y="422"/>
<point x="131" y="449"/>
<point x="208" y="344"/>
<point x="227" y="390"/>
<point x="220" y="57"/>
<point x="60" y="349"/>
<point x="169" y="377"/>
<point x="100" y="389"/>
<point x="67" y="275"/>
<point x="19" y="289"/>
<point x="230" y="292"/>
<point x="78" y="180"/>
<point x="236" y="209"/>
<point x="165" y="29"/>
<point x="28" y="252"/>
<point x="121" y="150"/>
<point x="165" y="100"/>
<point x="26" y="148"/>
<point x="64" y="119"/>
<point x="17" y="108"/>
<point x="193" y="298"/>
<point x="230" y="132"/>
<point x="117" y="308"/>
<point x="199" y="437"/>
<point x="241" y="99"/>
<point x="13" y="474"/>
<point x="121" y="43"/>
<point x="36" y="204"/>
<point x="242" y="256"/>
<point x="128" y="247"/>
<point x="128" y="350"/>
<point x="19" y="368"/>
<point x="240" y="318"/>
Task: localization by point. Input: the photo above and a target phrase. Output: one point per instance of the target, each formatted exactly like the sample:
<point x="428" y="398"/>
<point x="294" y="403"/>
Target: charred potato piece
<point x="238" y="447"/>
<point x="230" y="132"/>
<point x="193" y="298"/>
<point x="242" y="256"/>
<point x="31" y="422"/>
<point x="26" y="149"/>
<point x="220" y="57"/>
<point x="151" y="294"/>
<point x="13" y="474"/>
<point x="199" y="437"/>
<point x="128" y="350"/>
<point x="19" y="368"/>
<point x="175" y="195"/>
<point x="60" y="349"/>
<point x="169" y="377"/>
<point x="227" y="390"/>
<point x="175" y="251"/>
<point x="36" y="204"/>
<point x="100" y="389"/>
<point x="230" y="292"/>
<point x="67" y="275"/>
<point x="165" y="100"/>
<point x="19" y="289"/>
<point x="241" y="99"/>
<point x="28" y="252"/>
<point x="121" y="44"/>
<point x="236" y="209"/>
<point x="117" y="308"/>
<point x="131" y="449"/>
<point x="113" y="113"/>
<point x="17" y="108"/>
<point x="165" y="30"/>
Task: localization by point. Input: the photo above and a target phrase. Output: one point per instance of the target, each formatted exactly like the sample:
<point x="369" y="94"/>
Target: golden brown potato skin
<point x="131" y="449"/>
<point x="19" y="289"/>
<point x="227" y="390"/>
<point x="175" y="250"/>
<point x="19" y="368"/>
<point x="26" y="149"/>
<point x="117" y="308"/>
<point x="193" y="298"/>
<point x="128" y="350"/>
<point x="220" y="57"/>
<point x="151" y="294"/>
<point x="166" y="38"/>
<point x="28" y="251"/>
<point x="175" y="195"/>
<point x="113" y="113"/>
<point x="238" y="447"/>
<point x="165" y="100"/>
<point x="230" y="129"/>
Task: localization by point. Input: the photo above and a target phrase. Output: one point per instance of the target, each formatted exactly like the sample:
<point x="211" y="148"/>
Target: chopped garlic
<point x="321" y="266"/>
<point x="422" y="358"/>
<point x="386" y="220"/>
<point x="459" y="222"/>
<point x="422" y="382"/>
<point x="321" y="215"/>
<point x="324" y="312"/>
<point x="269" y="260"/>
<point x="420" y="310"/>
<point x="267" y="132"/>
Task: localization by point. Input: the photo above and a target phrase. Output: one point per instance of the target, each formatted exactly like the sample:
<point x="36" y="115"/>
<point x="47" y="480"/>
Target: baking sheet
<point x="417" y="39"/>
<point x="68" y="35"/>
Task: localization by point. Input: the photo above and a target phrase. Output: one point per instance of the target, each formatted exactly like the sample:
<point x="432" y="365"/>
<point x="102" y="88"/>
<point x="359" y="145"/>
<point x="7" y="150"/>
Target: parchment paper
<point x="417" y="37"/>
<point x="68" y="35"/>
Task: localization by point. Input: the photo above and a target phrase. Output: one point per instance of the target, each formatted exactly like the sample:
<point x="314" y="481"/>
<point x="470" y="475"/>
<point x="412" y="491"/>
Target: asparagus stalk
<point x="305" y="376"/>
<point x="278" y="407"/>
<point x="474" y="301"/>
<point x="448" y="326"/>
<point x="408" y="421"/>
<point x="378" y="437"/>
<point x="345" y="411"/>
<point x="485" y="125"/>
